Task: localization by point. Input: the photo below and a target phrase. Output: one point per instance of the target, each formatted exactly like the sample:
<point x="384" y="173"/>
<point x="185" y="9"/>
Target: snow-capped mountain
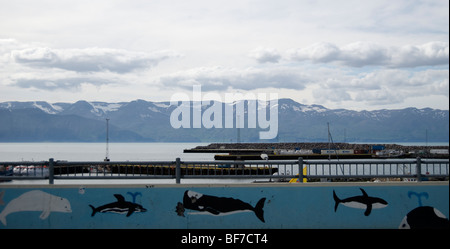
<point x="142" y="120"/>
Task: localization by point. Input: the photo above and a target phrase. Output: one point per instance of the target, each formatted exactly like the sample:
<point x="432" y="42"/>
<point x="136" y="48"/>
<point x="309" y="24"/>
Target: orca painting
<point x="363" y="202"/>
<point x="218" y="205"/>
<point x="120" y="207"/>
<point x="425" y="218"/>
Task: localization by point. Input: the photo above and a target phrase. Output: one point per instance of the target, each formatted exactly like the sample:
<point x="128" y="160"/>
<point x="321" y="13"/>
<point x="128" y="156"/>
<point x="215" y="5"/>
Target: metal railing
<point x="283" y="170"/>
<point x="417" y="169"/>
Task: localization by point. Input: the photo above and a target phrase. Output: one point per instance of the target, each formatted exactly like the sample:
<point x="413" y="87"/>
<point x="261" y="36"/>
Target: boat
<point x="31" y="170"/>
<point x="6" y="171"/>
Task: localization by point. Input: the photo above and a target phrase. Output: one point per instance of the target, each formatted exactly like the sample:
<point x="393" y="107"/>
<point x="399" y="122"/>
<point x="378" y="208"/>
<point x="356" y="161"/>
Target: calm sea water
<point x="97" y="151"/>
<point x="117" y="151"/>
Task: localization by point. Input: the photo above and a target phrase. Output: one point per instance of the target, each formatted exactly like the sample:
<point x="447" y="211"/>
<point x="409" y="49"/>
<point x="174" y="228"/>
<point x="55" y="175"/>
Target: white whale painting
<point x="36" y="200"/>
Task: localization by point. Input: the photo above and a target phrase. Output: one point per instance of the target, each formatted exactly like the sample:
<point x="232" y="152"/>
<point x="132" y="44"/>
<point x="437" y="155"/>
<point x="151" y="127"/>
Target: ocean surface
<point x="117" y="151"/>
<point x="97" y="151"/>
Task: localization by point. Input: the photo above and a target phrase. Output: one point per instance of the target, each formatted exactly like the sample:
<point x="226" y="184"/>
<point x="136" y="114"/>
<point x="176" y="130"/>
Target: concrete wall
<point x="306" y="205"/>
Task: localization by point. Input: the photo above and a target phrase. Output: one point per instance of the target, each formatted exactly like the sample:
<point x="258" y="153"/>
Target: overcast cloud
<point x="223" y="79"/>
<point x="360" y="54"/>
<point x="340" y="54"/>
<point x="89" y="59"/>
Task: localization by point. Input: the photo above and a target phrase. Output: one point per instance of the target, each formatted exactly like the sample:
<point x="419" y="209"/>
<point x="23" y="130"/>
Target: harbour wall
<point x="390" y="205"/>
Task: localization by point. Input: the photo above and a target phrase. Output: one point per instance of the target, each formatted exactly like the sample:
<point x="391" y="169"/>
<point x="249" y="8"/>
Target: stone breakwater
<point x="310" y="146"/>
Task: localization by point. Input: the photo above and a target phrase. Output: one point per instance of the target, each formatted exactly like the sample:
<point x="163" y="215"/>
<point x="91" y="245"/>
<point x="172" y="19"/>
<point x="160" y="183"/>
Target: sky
<point x="359" y="55"/>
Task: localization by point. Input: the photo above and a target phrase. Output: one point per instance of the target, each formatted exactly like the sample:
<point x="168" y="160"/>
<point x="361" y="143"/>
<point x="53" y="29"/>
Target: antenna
<point x="330" y="141"/>
<point x="107" y="140"/>
<point x="329" y="138"/>
<point x="345" y="135"/>
<point x="238" y="126"/>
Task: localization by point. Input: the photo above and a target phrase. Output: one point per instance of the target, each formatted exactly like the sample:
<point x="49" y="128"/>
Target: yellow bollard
<point x="296" y="179"/>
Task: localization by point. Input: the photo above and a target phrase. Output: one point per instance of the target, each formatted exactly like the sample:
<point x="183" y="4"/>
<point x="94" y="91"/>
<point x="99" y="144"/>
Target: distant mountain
<point x="145" y="121"/>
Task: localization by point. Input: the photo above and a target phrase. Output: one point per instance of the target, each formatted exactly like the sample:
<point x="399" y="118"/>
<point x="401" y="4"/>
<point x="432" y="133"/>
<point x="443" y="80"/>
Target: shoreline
<point x="318" y="145"/>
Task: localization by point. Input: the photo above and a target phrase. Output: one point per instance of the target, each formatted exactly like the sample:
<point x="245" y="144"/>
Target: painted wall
<point x="306" y="205"/>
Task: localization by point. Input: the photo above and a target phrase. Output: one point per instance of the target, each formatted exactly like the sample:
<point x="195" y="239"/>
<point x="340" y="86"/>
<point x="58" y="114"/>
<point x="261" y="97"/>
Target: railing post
<point x="51" y="171"/>
<point x="300" y="169"/>
<point x="178" y="171"/>
<point x="419" y="169"/>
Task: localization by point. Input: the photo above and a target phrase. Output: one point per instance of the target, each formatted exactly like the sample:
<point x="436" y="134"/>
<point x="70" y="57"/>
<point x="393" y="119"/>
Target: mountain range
<point x="146" y="121"/>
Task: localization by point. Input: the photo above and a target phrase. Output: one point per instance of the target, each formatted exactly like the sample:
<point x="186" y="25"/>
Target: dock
<point x="292" y="151"/>
<point x="221" y="169"/>
<point x="236" y="157"/>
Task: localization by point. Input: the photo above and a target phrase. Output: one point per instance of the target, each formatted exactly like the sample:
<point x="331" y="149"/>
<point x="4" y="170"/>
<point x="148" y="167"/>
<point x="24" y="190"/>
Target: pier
<point x="290" y="151"/>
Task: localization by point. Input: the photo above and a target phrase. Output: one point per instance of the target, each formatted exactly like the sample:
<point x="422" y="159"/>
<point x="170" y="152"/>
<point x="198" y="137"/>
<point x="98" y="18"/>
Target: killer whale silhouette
<point x="218" y="205"/>
<point x="425" y="217"/>
<point x="120" y="206"/>
<point x="363" y="202"/>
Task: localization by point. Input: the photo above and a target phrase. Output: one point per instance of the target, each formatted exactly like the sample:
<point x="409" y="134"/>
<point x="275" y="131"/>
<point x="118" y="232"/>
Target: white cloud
<point x="328" y="85"/>
<point x="383" y="87"/>
<point x="264" y="55"/>
<point x="345" y="53"/>
<point x="28" y="66"/>
<point x="428" y="54"/>
<point x="319" y="52"/>
<point x="90" y="59"/>
<point x="363" y="54"/>
<point x="360" y="54"/>
<point x="219" y="78"/>
<point x="54" y="79"/>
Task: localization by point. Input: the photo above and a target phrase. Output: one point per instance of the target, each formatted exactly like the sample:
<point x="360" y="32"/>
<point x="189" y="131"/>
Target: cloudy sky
<point x="381" y="54"/>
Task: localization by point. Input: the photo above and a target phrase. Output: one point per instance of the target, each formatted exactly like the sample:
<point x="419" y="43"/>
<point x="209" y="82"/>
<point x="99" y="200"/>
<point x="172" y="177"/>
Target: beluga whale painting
<point x="363" y="201"/>
<point x="208" y="204"/>
<point x="36" y="200"/>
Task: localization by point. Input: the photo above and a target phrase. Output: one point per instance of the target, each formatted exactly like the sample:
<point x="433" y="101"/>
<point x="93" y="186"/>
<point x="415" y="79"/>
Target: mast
<point x="107" y="140"/>
<point x="329" y="140"/>
<point x="238" y="126"/>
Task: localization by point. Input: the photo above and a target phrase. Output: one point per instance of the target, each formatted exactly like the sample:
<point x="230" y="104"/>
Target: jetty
<point x="290" y="151"/>
<point x="160" y="169"/>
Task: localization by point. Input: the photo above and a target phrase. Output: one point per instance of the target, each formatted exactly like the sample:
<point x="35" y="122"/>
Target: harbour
<point x="177" y="193"/>
<point x="292" y="151"/>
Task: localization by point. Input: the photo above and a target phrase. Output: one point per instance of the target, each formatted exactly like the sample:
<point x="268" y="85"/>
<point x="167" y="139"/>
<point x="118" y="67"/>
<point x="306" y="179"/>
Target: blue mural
<point x="358" y="205"/>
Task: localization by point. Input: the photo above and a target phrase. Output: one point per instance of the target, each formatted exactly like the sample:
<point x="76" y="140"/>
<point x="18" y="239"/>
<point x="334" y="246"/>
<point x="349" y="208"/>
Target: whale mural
<point x="262" y="206"/>
<point x="424" y="217"/>
<point x="36" y="200"/>
<point x="208" y="204"/>
<point x="363" y="202"/>
<point x="120" y="207"/>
